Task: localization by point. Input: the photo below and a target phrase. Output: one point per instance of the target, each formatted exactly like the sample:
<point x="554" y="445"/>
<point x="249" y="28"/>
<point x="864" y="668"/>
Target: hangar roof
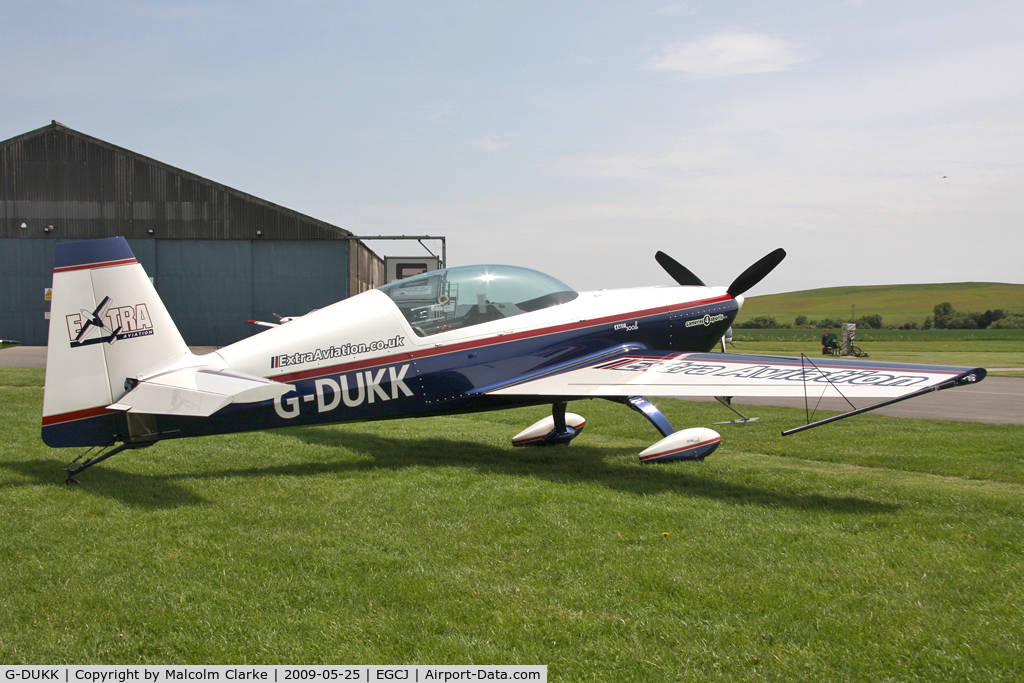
<point x="58" y="182"/>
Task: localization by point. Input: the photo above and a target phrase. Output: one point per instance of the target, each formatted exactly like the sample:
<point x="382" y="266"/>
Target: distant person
<point x="829" y="342"/>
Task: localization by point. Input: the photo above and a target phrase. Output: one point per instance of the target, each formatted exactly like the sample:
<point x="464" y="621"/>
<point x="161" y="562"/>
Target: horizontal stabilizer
<point x="197" y="392"/>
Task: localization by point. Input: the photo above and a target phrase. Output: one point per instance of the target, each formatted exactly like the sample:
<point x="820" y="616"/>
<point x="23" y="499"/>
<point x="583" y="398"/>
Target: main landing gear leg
<point x="651" y="412"/>
<point x="558" y="415"/>
<point x="561" y="433"/>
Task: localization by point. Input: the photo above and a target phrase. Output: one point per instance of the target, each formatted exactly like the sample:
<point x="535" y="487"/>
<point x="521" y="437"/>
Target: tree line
<point x="944" y="317"/>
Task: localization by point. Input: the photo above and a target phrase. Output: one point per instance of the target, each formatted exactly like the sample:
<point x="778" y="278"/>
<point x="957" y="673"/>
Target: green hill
<point x="897" y="304"/>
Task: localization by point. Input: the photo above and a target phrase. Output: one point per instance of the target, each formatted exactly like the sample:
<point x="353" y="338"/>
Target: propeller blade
<point x="677" y="270"/>
<point x="757" y="272"/>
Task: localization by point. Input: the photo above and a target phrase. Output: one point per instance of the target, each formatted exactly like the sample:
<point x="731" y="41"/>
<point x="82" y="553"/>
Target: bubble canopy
<point x="454" y="298"/>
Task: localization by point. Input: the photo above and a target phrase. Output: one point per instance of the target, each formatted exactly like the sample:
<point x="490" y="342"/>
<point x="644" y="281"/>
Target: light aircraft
<point x="280" y="321"/>
<point x="119" y="375"/>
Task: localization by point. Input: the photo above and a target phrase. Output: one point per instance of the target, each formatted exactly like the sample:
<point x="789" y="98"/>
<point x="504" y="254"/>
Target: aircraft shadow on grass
<point x="584" y="464"/>
<point x="144" y="491"/>
<point x="580" y="464"/>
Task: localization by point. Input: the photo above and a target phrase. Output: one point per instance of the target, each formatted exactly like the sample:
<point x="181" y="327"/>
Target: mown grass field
<point x="1004" y="354"/>
<point x="869" y="335"/>
<point x="897" y="304"/>
<point x="872" y="549"/>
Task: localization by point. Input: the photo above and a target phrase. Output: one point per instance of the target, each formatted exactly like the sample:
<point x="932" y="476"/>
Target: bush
<point x="872" y="321"/>
<point x="761" y="322"/>
<point x="988" y="317"/>
<point x="961" y="322"/>
<point x="943" y="313"/>
<point x="1012" y="322"/>
<point x="948" y="318"/>
<point x="801" y="320"/>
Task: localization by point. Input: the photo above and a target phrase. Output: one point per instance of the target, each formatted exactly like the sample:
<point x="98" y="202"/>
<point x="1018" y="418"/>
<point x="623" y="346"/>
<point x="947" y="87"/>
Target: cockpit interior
<point x="455" y="298"/>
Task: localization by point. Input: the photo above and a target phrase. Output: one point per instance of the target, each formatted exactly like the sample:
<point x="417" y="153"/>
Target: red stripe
<point x="101" y="264"/>
<point x="74" y="415"/>
<point x="493" y="341"/>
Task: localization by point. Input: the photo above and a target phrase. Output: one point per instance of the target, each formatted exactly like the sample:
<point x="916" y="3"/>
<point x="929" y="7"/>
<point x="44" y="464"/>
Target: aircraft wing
<point x="668" y="373"/>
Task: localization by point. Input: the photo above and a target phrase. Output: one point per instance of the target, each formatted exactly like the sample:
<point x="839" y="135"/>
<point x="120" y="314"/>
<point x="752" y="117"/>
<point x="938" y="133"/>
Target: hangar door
<point x="212" y="287"/>
<point x="26" y="270"/>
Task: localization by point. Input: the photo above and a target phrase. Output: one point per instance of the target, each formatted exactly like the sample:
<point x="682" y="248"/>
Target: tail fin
<point x="107" y="323"/>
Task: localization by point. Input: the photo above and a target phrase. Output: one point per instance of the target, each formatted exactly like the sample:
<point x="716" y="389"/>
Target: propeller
<point x="747" y="279"/>
<point x="757" y="272"/>
<point x="678" y="271"/>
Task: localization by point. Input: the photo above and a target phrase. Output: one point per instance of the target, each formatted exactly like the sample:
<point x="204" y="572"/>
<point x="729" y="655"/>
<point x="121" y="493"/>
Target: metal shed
<point x="217" y="256"/>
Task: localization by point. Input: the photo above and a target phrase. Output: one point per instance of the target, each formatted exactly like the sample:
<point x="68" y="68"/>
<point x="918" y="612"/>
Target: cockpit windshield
<point x="453" y="298"/>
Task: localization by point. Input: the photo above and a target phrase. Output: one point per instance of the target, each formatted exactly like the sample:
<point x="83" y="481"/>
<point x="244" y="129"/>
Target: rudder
<point x="107" y="323"/>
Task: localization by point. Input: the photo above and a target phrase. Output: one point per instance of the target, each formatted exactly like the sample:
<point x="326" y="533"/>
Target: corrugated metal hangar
<point x="217" y="256"/>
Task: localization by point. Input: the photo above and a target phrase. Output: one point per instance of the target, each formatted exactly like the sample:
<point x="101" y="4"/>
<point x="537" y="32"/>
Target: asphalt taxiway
<point x="995" y="400"/>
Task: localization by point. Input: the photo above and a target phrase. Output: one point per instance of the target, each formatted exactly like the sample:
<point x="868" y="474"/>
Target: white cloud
<point x="871" y="185"/>
<point x="956" y="85"/>
<point x="727" y="54"/>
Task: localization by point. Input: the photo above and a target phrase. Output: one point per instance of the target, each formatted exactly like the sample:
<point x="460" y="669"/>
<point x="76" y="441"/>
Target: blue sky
<point x="878" y="142"/>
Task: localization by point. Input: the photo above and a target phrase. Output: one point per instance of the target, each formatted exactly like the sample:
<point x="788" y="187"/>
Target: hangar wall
<point x="218" y="256"/>
<point x="210" y="287"/>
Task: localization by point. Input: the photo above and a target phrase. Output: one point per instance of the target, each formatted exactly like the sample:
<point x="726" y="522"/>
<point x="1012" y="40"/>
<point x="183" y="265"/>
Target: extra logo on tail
<point x="122" y="322"/>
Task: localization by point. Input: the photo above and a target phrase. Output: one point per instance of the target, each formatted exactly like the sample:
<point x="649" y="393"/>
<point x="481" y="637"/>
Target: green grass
<point x="986" y="351"/>
<point x="872" y="549"/>
<point x="868" y="335"/>
<point x="897" y="304"/>
<point x="986" y="354"/>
